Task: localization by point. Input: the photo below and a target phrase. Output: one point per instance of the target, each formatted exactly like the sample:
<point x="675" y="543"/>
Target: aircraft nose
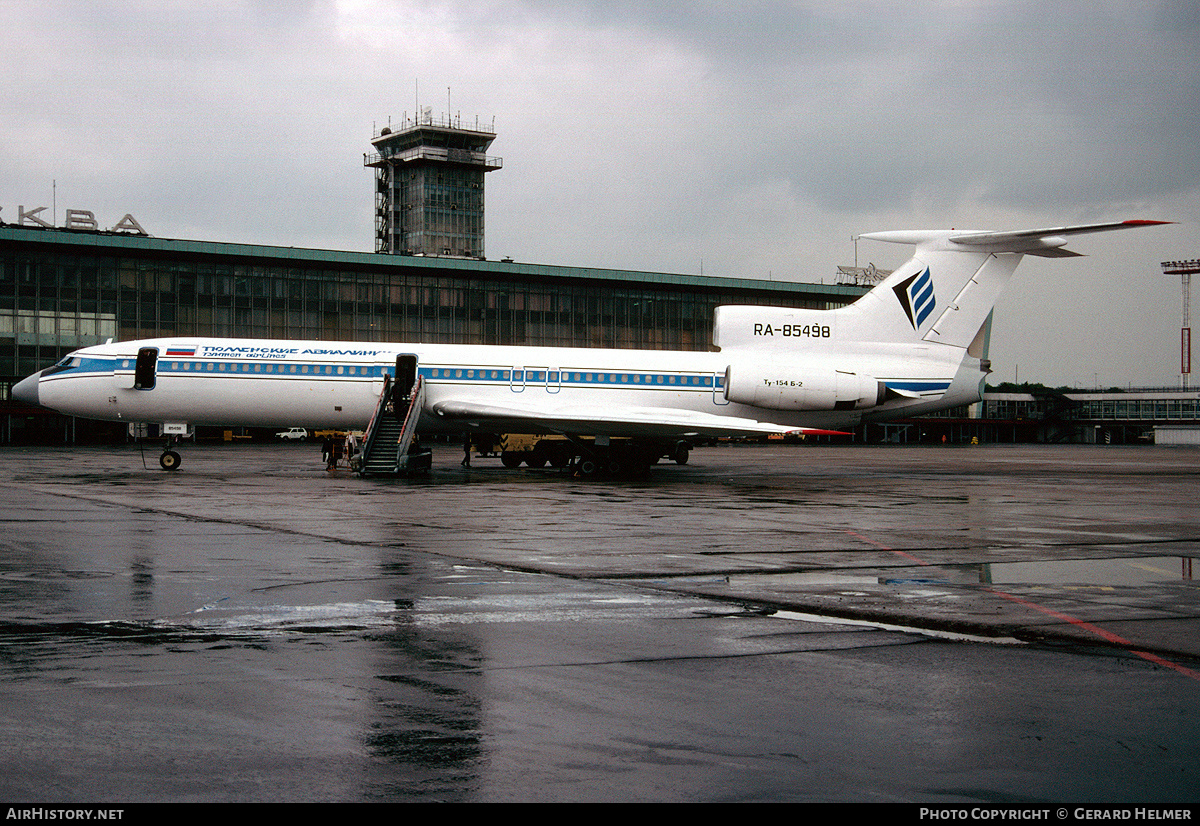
<point x="26" y="390"/>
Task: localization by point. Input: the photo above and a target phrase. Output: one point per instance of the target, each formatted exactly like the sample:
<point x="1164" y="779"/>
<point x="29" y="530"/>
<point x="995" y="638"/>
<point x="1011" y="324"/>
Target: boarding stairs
<point x="388" y="447"/>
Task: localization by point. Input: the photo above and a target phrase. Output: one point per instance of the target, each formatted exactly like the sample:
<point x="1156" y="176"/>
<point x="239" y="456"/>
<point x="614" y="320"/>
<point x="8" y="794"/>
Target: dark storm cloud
<point x="747" y="139"/>
<point x="1017" y="103"/>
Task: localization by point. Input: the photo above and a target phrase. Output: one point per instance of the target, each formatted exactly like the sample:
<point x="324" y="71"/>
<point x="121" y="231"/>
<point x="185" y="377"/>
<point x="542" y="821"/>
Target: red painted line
<point x="883" y="547"/>
<point x="1100" y="632"/>
<point x="1087" y="626"/>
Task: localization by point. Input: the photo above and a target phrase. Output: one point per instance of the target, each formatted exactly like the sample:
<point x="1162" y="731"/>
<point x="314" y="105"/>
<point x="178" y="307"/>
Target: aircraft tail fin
<point x="942" y="295"/>
<point x="948" y="289"/>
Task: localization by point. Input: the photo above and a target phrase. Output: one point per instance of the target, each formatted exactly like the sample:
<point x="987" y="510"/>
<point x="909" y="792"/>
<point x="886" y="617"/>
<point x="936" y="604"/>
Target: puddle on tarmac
<point x="1128" y="571"/>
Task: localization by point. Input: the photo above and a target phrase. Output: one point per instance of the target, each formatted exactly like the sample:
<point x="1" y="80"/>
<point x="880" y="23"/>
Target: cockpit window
<point x="65" y="364"/>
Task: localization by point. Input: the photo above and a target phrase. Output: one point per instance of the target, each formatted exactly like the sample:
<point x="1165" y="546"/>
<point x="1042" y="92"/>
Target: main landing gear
<point x="588" y="456"/>
<point x="623" y="458"/>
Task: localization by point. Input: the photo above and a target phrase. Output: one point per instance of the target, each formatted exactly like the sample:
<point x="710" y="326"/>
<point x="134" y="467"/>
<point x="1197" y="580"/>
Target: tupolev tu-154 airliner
<point x="914" y="344"/>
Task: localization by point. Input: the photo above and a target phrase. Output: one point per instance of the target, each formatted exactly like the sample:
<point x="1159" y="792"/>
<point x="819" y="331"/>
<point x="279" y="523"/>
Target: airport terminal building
<point x="72" y="284"/>
<point x="61" y="289"/>
<point x="69" y="285"/>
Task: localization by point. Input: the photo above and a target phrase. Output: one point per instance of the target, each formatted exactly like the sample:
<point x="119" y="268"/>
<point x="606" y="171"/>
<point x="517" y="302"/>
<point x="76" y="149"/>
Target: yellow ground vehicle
<point x="617" y="455"/>
<point x="535" y="450"/>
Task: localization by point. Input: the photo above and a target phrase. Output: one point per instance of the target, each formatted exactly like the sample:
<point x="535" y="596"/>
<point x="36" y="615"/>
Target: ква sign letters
<point x="76" y="219"/>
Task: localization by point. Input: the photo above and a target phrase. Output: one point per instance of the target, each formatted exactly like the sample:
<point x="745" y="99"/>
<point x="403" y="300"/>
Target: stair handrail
<point x="372" y="428"/>
<point x="408" y="429"/>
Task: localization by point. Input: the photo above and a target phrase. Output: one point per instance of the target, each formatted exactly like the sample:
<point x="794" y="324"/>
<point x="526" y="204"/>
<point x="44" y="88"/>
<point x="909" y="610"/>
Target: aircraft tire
<point x="560" y="455"/>
<point x="681" y="455"/>
<point x="169" y="460"/>
<point x="640" y="457"/>
<point x="640" y="464"/>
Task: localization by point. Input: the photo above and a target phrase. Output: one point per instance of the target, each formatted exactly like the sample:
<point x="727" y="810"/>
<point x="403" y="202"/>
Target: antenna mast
<point x="1184" y="269"/>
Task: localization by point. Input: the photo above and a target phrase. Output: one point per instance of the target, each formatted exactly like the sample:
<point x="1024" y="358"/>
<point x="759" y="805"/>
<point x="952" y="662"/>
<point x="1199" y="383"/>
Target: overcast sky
<point x="748" y="139"/>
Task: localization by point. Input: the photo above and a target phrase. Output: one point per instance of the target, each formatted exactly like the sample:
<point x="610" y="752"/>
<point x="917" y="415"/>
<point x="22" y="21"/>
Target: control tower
<point x="429" y="186"/>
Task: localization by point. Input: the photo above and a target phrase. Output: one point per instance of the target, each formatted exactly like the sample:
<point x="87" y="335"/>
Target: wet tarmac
<point x="997" y="624"/>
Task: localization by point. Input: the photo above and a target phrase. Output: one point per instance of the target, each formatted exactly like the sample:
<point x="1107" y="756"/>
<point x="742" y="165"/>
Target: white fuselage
<point x="316" y="384"/>
<point x="915" y="344"/>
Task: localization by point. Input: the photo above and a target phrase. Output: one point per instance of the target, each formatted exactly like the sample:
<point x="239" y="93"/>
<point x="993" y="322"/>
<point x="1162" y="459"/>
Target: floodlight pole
<point x="1184" y="269"/>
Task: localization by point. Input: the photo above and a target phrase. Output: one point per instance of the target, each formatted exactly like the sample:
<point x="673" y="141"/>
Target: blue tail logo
<point x="916" y="297"/>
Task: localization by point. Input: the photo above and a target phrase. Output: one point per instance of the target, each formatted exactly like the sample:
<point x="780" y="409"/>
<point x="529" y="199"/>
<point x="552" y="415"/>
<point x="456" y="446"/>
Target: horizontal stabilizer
<point x="1079" y="229"/>
<point x="1047" y="242"/>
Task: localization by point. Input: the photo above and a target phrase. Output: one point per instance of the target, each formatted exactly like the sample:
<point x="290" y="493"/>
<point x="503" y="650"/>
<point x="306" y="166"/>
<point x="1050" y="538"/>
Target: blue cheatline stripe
<point x="917" y="386"/>
<point x="583" y="378"/>
<point x="174" y="366"/>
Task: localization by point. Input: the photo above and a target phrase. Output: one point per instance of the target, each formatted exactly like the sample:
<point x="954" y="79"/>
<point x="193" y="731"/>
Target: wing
<point x="631" y="421"/>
